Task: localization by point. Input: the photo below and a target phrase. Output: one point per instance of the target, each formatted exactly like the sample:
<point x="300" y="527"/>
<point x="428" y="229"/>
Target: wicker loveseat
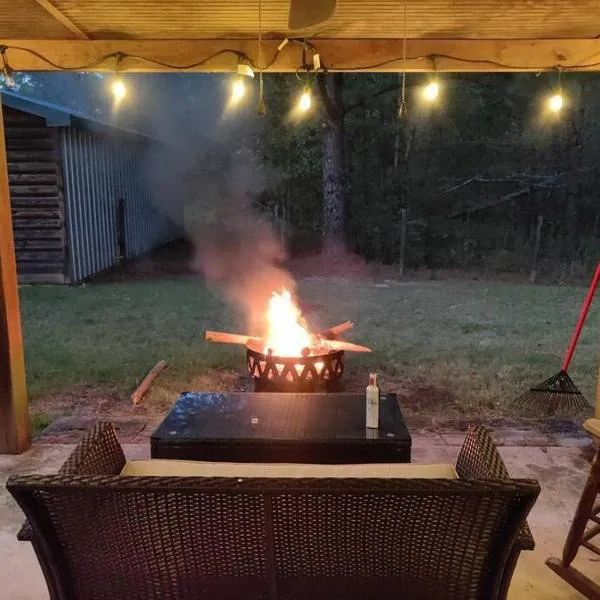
<point x="100" y="534"/>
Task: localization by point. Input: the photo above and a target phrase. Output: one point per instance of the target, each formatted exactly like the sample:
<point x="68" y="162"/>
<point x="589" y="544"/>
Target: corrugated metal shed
<point x="105" y="202"/>
<point x="103" y="176"/>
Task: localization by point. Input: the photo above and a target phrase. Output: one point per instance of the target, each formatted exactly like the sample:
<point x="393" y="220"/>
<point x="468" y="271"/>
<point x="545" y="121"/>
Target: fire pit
<point x="289" y="358"/>
<point x="316" y="372"/>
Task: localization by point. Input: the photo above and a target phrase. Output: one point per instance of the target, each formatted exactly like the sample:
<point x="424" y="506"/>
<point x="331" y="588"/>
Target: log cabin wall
<point x="36" y="194"/>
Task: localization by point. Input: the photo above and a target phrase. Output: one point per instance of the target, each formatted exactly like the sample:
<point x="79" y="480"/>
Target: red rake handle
<point x="584" y="311"/>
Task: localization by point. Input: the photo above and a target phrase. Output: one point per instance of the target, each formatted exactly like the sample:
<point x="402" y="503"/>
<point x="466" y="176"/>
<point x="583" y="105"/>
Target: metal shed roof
<point x="60" y="116"/>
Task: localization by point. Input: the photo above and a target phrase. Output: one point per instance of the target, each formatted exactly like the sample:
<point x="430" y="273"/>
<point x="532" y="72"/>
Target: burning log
<point x="347" y="346"/>
<point x="229" y="338"/>
<point x="334" y="332"/>
<point x="258" y="342"/>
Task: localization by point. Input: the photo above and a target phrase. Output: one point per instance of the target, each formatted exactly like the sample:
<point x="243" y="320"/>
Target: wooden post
<point x="402" y="240"/>
<point x="15" y="431"/>
<point x="536" y="249"/>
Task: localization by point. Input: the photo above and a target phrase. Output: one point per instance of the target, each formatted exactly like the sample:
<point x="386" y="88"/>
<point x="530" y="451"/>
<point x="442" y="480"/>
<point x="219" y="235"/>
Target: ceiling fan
<point x="306" y="13"/>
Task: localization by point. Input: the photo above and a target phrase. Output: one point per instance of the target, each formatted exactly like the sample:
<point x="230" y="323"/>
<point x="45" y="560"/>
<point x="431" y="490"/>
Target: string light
<point x="556" y="102"/>
<point x="431" y="91"/>
<point x="238" y="90"/>
<point x="402" y="109"/>
<point x="119" y="90"/>
<point x="118" y="87"/>
<point x="305" y="100"/>
<point x="261" y="107"/>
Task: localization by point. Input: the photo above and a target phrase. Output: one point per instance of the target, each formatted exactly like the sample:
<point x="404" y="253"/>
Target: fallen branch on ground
<point x="141" y="389"/>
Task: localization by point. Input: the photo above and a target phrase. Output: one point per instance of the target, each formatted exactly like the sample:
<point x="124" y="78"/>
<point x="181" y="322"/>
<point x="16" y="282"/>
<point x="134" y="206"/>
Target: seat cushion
<point x="190" y="468"/>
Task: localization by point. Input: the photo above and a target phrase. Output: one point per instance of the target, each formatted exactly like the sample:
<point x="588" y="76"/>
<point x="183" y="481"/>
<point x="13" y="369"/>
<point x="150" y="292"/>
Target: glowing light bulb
<point x="305" y="101"/>
<point x="431" y="91"/>
<point x="238" y="89"/>
<point x="118" y="89"/>
<point x="555" y="103"/>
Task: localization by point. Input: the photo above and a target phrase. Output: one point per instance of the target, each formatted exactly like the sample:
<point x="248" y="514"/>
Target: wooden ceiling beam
<point x="336" y="54"/>
<point x="62" y="18"/>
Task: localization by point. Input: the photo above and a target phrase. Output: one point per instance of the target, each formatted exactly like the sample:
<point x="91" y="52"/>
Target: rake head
<point x="556" y="394"/>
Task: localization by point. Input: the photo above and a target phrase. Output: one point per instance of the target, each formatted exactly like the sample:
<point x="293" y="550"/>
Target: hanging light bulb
<point x="556" y="102"/>
<point x="431" y="91"/>
<point x="305" y="100"/>
<point x="238" y="90"/>
<point x="119" y="90"/>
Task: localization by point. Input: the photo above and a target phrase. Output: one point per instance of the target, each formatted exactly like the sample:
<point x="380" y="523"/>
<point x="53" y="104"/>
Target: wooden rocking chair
<point x="585" y="526"/>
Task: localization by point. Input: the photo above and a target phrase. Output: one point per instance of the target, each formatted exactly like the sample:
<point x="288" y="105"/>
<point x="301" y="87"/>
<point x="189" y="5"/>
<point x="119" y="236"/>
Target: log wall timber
<point x="34" y="176"/>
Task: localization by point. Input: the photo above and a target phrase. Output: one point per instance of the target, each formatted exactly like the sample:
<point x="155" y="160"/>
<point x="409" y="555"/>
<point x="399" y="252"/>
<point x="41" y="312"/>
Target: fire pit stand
<point x="318" y="373"/>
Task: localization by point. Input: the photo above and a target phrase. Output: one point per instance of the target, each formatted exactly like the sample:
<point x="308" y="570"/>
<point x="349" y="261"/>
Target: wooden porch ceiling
<point x="356" y="19"/>
<point x="519" y="34"/>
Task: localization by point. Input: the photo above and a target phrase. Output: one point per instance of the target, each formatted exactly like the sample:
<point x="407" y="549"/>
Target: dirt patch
<point x="88" y="401"/>
<point x="428" y="398"/>
<point x="172" y="260"/>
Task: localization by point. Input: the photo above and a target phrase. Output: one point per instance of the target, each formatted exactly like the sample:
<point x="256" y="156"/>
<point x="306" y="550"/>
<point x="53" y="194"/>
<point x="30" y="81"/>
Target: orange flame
<point x="286" y="332"/>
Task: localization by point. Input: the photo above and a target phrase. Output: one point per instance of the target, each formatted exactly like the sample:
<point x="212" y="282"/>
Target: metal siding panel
<point x="106" y="220"/>
<point x="112" y="198"/>
<point x="98" y="171"/>
<point x="129" y="213"/>
<point x="145" y="241"/>
<point x="135" y="221"/>
<point x="139" y="222"/>
<point x="95" y="222"/>
<point x="102" y="203"/>
<point x="65" y="142"/>
<point x="145" y="202"/>
<point x="78" y="178"/>
<point x="89" y="225"/>
<point x="99" y="209"/>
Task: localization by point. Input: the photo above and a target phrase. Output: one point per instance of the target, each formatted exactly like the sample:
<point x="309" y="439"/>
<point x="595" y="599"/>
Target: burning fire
<point x="287" y="334"/>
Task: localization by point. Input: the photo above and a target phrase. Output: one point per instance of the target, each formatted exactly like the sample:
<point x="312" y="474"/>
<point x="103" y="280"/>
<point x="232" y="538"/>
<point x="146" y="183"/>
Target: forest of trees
<point x="477" y="173"/>
<point x="473" y="176"/>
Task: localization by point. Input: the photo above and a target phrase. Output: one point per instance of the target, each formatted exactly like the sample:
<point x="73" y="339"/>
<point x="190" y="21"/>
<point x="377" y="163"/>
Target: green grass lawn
<point x="460" y="346"/>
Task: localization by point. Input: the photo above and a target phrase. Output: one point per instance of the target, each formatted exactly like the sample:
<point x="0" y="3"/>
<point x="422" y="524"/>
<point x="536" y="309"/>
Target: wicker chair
<point x="98" y="534"/>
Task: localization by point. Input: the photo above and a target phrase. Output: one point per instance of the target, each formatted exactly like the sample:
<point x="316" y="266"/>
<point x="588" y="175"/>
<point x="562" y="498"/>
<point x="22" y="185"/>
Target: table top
<point x="236" y="416"/>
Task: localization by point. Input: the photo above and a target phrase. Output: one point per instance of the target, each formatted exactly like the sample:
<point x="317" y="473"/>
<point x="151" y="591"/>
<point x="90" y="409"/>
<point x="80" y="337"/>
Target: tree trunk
<point x="334" y="206"/>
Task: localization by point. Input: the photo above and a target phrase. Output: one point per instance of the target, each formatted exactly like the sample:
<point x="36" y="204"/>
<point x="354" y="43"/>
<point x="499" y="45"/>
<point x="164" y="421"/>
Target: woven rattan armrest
<point x="479" y="459"/>
<point x="97" y="453"/>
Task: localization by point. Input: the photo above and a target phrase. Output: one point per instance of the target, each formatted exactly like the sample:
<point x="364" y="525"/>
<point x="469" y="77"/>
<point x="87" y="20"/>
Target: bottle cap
<point x="373" y="379"/>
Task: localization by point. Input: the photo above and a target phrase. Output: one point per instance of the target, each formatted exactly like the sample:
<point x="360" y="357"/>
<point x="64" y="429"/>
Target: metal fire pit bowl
<point x="318" y="373"/>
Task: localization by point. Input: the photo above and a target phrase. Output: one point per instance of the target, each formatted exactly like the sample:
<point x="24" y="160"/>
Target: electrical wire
<point x="402" y="111"/>
<point x="307" y="44"/>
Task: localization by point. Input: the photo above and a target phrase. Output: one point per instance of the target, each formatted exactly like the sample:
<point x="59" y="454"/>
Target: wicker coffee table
<point x="270" y="427"/>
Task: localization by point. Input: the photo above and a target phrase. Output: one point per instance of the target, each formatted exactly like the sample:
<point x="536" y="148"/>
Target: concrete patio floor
<point x="559" y="462"/>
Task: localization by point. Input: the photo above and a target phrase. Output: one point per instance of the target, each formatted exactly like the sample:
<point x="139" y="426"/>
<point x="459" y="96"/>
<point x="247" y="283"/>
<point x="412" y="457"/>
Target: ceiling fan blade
<point x="306" y="13"/>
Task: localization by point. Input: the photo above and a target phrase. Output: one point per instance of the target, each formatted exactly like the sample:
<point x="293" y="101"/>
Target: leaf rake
<point x="559" y="393"/>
